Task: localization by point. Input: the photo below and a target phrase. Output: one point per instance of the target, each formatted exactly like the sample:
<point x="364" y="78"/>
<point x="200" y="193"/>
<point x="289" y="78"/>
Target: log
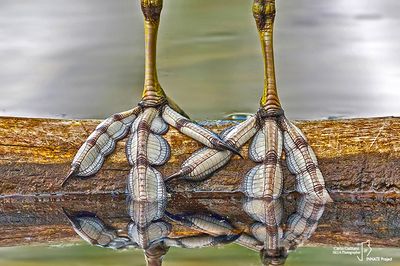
<point x="360" y="159"/>
<point x="356" y="156"/>
<point x="34" y="220"/>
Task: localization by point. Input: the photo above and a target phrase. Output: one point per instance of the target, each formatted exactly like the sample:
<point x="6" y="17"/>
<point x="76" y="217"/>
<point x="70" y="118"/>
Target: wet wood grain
<point x="355" y="155"/>
<point x="40" y="220"/>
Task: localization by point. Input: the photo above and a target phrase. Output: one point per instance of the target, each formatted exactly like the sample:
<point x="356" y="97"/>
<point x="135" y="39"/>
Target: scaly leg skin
<point x="150" y="235"/>
<point x="302" y="224"/>
<point x="266" y="179"/>
<point x="206" y="161"/>
<point x="143" y="213"/>
<point x="200" y="241"/>
<point x="146" y="148"/>
<point x="90" y="157"/>
<point x="267" y="228"/>
<point x="94" y="231"/>
<point x="154" y="255"/>
<point x="214" y="225"/>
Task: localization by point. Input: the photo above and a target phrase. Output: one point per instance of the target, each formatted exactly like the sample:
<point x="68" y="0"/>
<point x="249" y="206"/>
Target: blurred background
<point x="84" y="58"/>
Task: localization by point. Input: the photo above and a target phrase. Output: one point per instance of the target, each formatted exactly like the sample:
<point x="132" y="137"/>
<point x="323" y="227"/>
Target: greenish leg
<point x="264" y="13"/>
<point x="153" y="94"/>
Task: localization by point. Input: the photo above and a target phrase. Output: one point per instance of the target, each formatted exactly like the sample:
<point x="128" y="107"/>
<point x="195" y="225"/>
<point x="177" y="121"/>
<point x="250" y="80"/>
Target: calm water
<point x="79" y="255"/>
<point x="49" y="225"/>
<point x="84" y="58"/>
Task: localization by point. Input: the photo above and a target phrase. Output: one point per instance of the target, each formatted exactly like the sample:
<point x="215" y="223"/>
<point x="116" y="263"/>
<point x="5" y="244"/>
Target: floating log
<point x="357" y="156"/>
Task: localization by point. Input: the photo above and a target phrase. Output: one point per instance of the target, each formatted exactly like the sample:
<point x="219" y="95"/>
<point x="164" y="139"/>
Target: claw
<point x="226" y="239"/>
<point x="172" y="177"/>
<point x="178" y="218"/>
<point x="225" y="146"/>
<point x="71" y="173"/>
<point x="67" y="213"/>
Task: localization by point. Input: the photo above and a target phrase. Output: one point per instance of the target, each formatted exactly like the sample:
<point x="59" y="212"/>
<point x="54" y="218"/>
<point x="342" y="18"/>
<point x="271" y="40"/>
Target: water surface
<point x="43" y="230"/>
<point x="84" y="58"/>
<point x="78" y="255"/>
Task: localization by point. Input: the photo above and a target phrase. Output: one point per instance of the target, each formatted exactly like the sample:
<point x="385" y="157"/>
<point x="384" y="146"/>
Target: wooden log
<point x="33" y="220"/>
<point x="356" y="156"/>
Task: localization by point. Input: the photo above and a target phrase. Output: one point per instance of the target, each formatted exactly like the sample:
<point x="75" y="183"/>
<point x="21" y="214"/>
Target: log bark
<point x="355" y="155"/>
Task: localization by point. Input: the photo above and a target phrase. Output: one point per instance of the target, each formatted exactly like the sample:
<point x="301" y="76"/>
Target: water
<point x="84" y="59"/>
<point x="78" y="255"/>
<point x="42" y="230"/>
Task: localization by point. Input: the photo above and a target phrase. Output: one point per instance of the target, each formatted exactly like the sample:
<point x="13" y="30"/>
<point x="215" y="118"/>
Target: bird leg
<point x="153" y="94"/>
<point x="267" y="228"/>
<point x="146" y="148"/>
<point x="154" y="255"/>
<point x="266" y="179"/>
<point x="264" y="14"/>
<point x="300" y="158"/>
<point x="205" y="162"/>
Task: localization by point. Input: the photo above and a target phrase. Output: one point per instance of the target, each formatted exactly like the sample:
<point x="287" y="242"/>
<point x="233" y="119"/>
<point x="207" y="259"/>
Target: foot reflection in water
<point x="269" y="228"/>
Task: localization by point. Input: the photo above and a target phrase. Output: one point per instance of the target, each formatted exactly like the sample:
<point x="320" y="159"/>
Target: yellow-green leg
<point x="153" y="94"/>
<point x="264" y="14"/>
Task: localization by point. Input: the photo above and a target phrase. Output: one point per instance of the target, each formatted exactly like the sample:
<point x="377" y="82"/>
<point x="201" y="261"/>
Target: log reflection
<point x="155" y="227"/>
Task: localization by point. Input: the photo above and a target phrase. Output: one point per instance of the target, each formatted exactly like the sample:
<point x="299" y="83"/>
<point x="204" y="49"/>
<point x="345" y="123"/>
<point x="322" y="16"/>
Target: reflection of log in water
<point x="41" y="220"/>
<point x="357" y="155"/>
<point x="359" y="158"/>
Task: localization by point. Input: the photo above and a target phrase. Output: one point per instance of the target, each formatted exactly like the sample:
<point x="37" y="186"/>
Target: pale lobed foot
<point x="146" y="147"/>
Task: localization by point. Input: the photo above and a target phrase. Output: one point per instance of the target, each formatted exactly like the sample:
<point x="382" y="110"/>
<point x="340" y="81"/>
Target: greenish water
<point x="84" y="58"/>
<point x="79" y="255"/>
